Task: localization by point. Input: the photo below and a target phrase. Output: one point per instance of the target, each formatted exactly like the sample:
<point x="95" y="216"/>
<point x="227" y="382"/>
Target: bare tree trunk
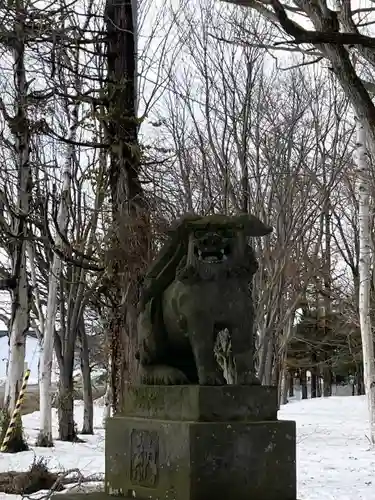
<point x="284" y="387"/>
<point x="327" y="382"/>
<point x="365" y="275"/>
<point x="313" y="384"/>
<point x="108" y="395"/>
<point x="20" y="319"/>
<point x="327" y="306"/>
<point x="88" y="406"/>
<point x="319" y="384"/>
<point x="314" y="375"/>
<point x="45" y="430"/>
<point x="130" y="214"/>
<point x="46" y="355"/>
<point x="64" y="347"/>
<point x="291" y="384"/>
<point x="267" y="355"/>
<point x="303" y="379"/>
<point x="67" y="428"/>
<point x="280" y="379"/>
<point x="327" y="378"/>
<point x="39" y="328"/>
<point x="360" y="383"/>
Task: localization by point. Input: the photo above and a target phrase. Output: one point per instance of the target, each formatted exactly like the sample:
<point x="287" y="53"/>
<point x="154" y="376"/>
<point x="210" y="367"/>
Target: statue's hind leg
<point x="152" y="352"/>
<point x="151" y="344"/>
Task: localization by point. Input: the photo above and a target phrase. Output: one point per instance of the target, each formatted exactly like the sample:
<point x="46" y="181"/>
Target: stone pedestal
<point x="201" y="443"/>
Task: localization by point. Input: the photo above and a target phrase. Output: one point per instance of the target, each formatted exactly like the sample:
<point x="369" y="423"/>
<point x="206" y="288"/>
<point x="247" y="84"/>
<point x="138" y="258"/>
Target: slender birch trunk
<point x="45" y="430"/>
<point x="108" y="394"/>
<point x="361" y="159"/>
<point x="20" y="318"/>
<point x="34" y="282"/>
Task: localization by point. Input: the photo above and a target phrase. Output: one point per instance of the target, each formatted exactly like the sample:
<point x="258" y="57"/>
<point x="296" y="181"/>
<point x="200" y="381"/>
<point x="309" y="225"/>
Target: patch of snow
<point x="95" y="374"/>
<point x="334" y="459"/>
<point x="88" y="457"/>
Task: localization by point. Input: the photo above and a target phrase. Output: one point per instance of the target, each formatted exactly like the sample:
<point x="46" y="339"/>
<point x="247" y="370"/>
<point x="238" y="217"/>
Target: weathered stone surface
<point x="92" y="495"/>
<point x="172" y="460"/>
<point x="202" y="403"/>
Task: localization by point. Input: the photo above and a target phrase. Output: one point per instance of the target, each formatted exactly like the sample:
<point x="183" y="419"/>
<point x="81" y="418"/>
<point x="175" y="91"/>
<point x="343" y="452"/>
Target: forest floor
<point x="334" y="458"/>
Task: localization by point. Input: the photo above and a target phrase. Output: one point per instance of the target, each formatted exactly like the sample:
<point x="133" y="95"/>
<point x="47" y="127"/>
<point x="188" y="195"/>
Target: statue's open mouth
<point x="213" y="256"/>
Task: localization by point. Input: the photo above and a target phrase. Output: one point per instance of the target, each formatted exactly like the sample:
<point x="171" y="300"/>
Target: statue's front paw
<point x="214" y="378"/>
<point x="248" y="379"/>
<point x="162" y="375"/>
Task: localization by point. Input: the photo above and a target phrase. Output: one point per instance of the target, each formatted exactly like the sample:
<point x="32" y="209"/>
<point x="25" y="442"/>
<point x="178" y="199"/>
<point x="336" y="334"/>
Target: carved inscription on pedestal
<point x="144" y="457"/>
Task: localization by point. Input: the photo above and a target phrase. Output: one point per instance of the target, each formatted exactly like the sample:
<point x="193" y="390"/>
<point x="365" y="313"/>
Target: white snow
<point x="88" y="457"/>
<point x="334" y="459"/>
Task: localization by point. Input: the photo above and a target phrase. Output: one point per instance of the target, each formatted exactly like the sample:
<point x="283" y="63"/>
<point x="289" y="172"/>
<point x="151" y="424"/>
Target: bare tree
<point x="336" y="37"/>
<point x="19" y="125"/>
<point x="130" y="235"/>
<point x="365" y="276"/>
<point x="73" y="77"/>
<point x="238" y="143"/>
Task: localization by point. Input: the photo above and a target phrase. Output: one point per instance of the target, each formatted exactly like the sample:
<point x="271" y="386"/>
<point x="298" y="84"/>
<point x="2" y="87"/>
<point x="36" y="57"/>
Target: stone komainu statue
<point x="198" y="286"/>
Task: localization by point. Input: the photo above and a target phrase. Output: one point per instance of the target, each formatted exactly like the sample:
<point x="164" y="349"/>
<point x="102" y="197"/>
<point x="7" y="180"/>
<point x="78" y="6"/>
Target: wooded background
<point x="224" y="109"/>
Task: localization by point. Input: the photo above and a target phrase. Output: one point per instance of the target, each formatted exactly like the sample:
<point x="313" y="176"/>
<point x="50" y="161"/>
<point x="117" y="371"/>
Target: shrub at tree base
<point x="44" y="441"/>
<point x="35" y="479"/>
<point x="17" y="442"/>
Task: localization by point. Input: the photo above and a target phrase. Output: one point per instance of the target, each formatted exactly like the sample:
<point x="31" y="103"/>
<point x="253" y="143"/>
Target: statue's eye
<point x="199" y="234"/>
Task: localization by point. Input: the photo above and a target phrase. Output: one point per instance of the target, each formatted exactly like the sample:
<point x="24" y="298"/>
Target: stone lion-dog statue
<point x="198" y="286"/>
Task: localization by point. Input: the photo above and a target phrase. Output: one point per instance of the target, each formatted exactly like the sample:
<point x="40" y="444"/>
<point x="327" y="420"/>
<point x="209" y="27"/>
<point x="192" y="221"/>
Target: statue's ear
<point x="181" y="224"/>
<point x="253" y="226"/>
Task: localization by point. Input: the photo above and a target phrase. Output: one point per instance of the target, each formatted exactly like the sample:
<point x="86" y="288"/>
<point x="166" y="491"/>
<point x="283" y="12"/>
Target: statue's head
<point x="217" y="241"/>
<point x="212" y="245"/>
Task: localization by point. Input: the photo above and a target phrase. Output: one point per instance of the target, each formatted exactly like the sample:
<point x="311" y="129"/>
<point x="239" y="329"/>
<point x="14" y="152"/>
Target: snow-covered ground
<point x="88" y="457"/>
<point x="334" y="459"/>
